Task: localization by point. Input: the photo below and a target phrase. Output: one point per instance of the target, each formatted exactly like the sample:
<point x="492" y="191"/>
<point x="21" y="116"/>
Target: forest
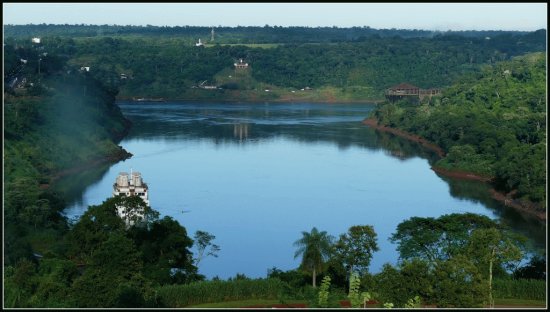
<point x="492" y="123"/>
<point x="239" y="34"/>
<point x="60" y="116"/>
<point x="172" y="67"/>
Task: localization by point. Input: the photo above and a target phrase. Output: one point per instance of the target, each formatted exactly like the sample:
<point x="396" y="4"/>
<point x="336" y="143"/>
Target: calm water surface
<point x="257" y="175"/>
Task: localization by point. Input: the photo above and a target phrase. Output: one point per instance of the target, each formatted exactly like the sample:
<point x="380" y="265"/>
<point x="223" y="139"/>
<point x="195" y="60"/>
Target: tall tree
<point x="315" y="248"/>
<point x="458" y="283"/>
<point x="490" y="246"/>
<point x="437" y="239"/>
<point x="355" y="248"/>
<point x="203" y="241"/>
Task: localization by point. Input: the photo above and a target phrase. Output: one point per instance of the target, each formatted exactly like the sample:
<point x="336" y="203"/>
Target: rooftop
<point x="402" y="86"/>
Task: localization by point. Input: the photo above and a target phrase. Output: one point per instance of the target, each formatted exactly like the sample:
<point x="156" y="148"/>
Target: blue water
<point x="257" y="175"/>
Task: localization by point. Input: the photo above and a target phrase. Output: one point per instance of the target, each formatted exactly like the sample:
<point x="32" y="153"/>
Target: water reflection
<point x="240" y="131"/>
<point x="73" y="186"/>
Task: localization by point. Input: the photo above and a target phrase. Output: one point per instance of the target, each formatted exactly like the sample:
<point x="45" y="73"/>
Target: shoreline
<point x="458" y="174"/>
<point x="373" y="123"/>
<point x="121" y="154"/>
<point x="331" y="101"/>
<point x="506" y="199"/>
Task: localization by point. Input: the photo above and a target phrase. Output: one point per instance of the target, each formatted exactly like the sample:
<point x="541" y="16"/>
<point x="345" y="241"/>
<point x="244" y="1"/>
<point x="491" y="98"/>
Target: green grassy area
<point x="243" y="303"/>
<point x="520" y="302"/>
<point x="268" y="303"/>
<point x="250" y="45"/>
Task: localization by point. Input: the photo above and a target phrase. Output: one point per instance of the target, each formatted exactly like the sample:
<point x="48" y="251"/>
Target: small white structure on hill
<point x="130" y="185"/>
<point x="199" y="44"/>
<point x="36" y="40"/>
<point x="241" y="64"/>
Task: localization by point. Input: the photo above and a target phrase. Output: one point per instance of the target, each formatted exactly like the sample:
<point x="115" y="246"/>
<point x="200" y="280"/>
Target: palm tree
<point x="315" y="248"/>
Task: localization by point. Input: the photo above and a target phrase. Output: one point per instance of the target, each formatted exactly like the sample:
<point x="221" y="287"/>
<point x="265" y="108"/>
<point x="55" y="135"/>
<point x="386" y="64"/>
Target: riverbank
<point x="113" y="157"/>
<point x="264" y="94"/>
<point x="373" y="123"/>
<point x="523" y="207"/>
<point x="119" y="155"/>
<point x="280" y="100"/>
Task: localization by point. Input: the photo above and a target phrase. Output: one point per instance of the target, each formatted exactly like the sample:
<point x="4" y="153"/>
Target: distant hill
<point x="241" y="34"/>
<point x="353" y="63"/>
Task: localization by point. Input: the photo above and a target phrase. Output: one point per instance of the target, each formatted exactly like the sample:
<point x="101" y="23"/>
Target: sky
<point x="427" y="16"/>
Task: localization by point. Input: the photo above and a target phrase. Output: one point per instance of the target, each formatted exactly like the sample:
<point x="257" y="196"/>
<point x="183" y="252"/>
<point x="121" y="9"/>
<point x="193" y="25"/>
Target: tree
<point x="165" y="252"/>
<point x="355" y="248"/>
<point x="437" y="239"/>
<point x="535" y="269"/>
<point x="390" y="286"/>
<point x="315" y="248"/>
<point x="203" y="240"/>
<point x="114" y="268"/>
<point x="458" y="284"/>
<point x="135" y="212"/>
<point x="488" y="246"/>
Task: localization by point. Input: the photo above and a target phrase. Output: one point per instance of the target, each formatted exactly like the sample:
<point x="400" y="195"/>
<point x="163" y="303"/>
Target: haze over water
<point x="257" y="175"/>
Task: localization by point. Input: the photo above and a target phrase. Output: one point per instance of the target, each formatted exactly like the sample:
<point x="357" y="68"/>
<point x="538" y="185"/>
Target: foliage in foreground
<point x="178" y="296"/>
<point x="519" y="289"/>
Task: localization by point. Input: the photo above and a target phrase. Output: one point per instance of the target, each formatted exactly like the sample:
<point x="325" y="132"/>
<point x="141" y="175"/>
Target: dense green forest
<point x="60" y="117"/>
<point x="492" y="123"/>
<point x="239" y="34"/>
<point x="58" y="120"/>
<point x="172" y="66"/>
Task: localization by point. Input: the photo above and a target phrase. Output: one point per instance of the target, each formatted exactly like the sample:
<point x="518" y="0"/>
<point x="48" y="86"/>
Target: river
<point x="257" y="175"/>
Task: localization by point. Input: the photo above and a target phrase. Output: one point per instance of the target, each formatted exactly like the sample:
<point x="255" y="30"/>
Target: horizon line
<point x="271" y="26"/>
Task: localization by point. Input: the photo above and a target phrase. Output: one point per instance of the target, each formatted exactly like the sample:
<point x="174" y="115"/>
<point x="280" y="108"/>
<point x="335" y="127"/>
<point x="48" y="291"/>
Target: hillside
<point x="239" y="34"/>
<point x="492" y="124"/>
<point x="169" y="65"/>
<point x="56" y="120"/>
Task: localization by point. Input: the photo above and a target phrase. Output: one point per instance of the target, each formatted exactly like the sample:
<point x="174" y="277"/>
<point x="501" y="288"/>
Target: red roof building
<point x="405" y="89"/>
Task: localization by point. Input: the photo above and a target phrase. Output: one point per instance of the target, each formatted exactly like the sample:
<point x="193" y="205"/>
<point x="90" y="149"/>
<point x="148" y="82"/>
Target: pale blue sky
<point x="442" y="16"/>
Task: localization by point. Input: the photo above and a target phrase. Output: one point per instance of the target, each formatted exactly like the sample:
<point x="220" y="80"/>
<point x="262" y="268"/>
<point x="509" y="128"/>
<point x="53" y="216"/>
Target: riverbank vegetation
<point x="57" y="119"/>
<point x="492" y="123"/>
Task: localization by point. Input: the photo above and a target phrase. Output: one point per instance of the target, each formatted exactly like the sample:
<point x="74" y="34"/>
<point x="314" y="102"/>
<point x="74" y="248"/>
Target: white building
<point x="241" y="64"/>
<point x="199" y="44"/>
<point x="130" y="185"/>
<point x="35" y="40"/>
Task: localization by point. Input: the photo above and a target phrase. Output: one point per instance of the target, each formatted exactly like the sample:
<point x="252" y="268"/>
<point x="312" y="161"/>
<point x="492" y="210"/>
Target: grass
<point x="520" y="302"/>
<point x="269" y="302"/>
<point x="250" y="45"/>
<point x="243" y="303"/>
